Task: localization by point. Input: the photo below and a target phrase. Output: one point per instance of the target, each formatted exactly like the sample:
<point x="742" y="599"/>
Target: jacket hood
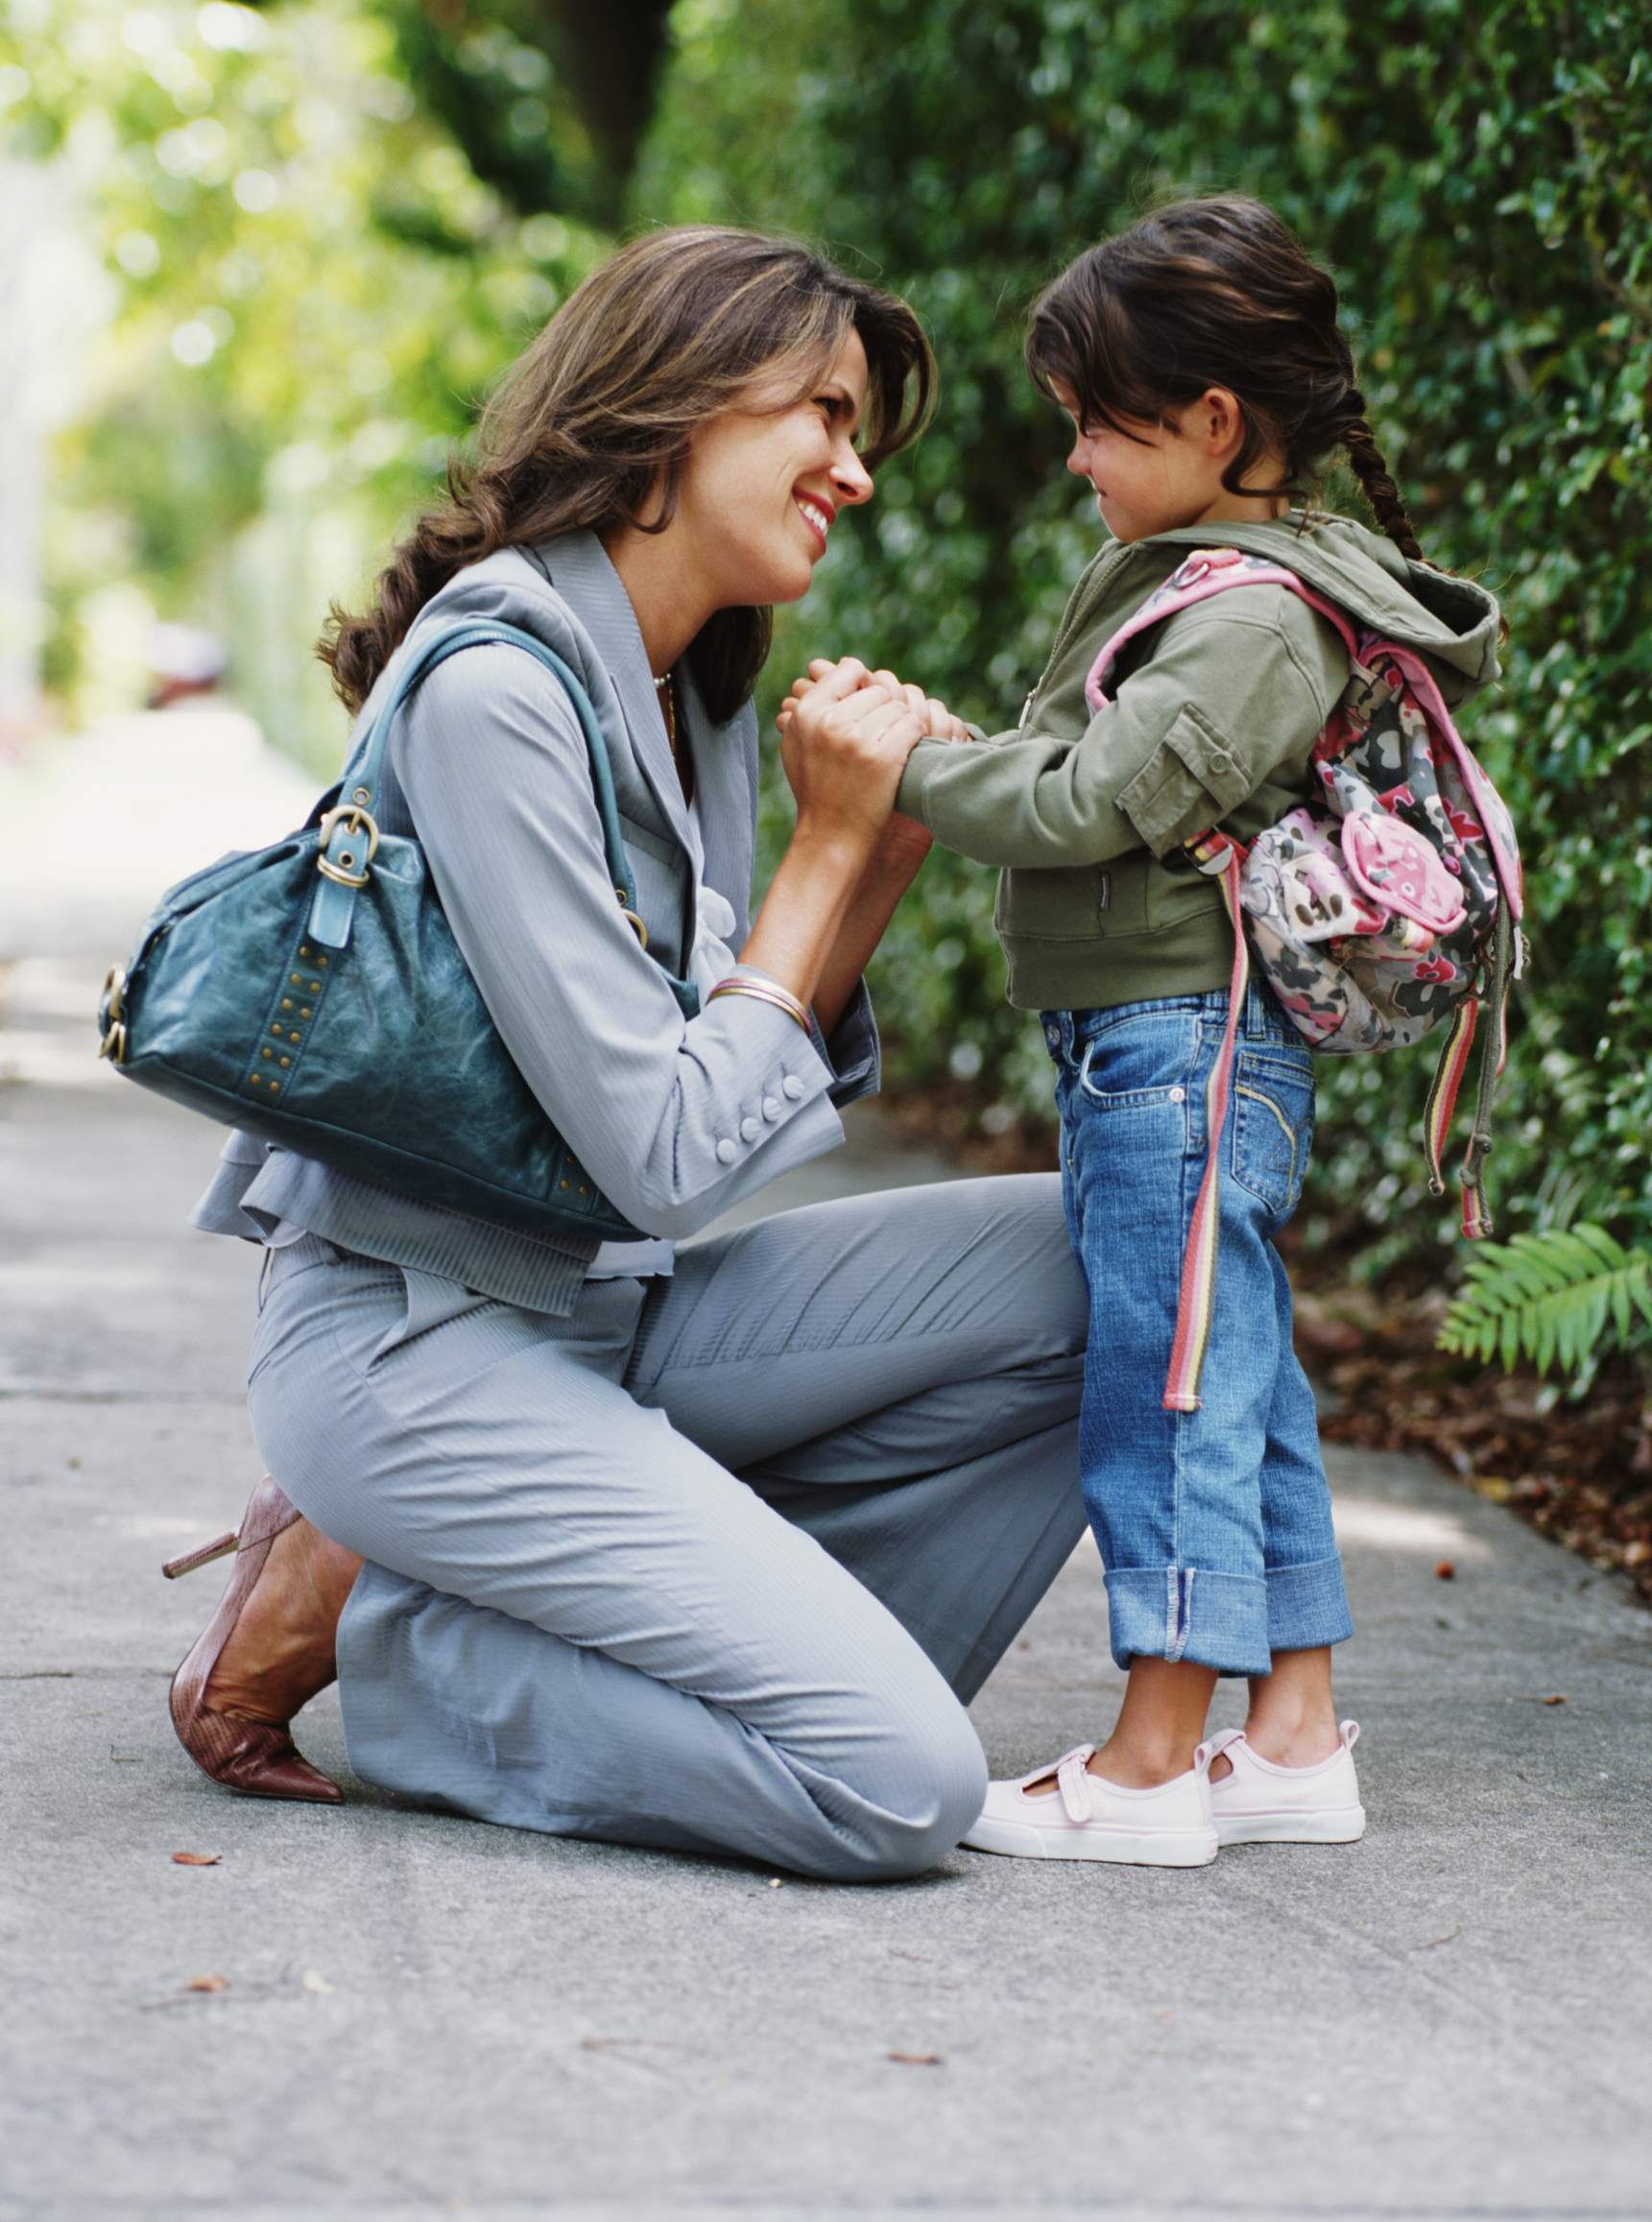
<point x="1451" y="621"/>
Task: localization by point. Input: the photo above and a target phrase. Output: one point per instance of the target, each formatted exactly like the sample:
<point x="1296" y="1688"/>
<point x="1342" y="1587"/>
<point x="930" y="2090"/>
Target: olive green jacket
<point x="1212" y="719"/>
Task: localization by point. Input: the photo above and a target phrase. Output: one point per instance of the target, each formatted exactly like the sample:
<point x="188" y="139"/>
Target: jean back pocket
<point x="1272" y="1127"/>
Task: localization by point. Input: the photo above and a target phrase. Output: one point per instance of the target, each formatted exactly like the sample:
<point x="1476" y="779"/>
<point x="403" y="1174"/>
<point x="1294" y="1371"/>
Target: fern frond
<point x="1567" y="1294"/>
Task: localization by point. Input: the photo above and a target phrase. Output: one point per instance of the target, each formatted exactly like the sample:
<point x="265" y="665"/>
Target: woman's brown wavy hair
<point x="591" y="426"/>
<point x="1216" y="292"/>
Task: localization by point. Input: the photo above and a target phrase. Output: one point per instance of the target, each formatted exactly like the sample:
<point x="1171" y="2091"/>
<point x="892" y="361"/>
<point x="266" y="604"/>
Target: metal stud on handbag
<point x="313" y="994"/>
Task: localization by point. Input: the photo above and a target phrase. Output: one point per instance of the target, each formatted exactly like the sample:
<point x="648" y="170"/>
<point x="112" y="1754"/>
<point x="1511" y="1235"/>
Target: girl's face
<point x="1168" y="475"/>
<point x="764" y="482"/>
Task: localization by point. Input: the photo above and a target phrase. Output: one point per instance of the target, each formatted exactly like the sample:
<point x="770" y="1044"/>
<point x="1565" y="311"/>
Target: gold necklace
<point x="666" y="696"/>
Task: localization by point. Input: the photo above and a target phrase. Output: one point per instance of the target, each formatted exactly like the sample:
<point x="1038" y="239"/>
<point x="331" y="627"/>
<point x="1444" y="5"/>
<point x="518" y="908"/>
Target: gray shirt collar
<point x="577" y="566"/>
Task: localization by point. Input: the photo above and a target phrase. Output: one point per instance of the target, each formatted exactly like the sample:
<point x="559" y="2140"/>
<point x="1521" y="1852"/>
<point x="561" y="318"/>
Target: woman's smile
<point x="818" y="514"/>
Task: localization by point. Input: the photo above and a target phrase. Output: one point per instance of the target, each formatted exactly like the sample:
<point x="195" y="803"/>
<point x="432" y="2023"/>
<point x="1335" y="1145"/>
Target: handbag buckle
<point x="113" y="1043"/>
<point x="342" y="869"/>
<point x="635" y="923"/>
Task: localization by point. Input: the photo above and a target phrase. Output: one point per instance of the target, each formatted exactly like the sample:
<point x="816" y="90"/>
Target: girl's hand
<point x="939" y="722"/>
<point x="844" y="746"/>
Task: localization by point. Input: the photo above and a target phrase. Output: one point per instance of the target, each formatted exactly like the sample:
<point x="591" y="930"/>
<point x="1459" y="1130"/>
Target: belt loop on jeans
<point x="1256" y="1011"/>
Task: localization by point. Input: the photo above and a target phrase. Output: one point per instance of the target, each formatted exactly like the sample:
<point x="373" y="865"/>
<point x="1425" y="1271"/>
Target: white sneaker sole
<point x="1340" y="1825"/>
<point x="1125" y="1846"/>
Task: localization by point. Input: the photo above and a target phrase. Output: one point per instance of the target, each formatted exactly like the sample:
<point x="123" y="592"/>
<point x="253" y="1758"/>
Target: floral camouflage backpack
<point x="1388" y="902"/>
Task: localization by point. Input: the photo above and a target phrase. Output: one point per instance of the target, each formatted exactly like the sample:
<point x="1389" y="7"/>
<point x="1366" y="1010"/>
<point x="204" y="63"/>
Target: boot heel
<point x="255" y="1756"/>
<point x="203" y="1557"/>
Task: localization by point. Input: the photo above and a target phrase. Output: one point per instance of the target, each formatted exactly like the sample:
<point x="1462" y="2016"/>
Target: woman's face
<point x="764" y="482"/>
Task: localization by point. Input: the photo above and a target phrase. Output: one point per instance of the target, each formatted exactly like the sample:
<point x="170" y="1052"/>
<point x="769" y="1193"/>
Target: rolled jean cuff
<point x="1308" y="1606"/>
<point x="1186" y="1613"/>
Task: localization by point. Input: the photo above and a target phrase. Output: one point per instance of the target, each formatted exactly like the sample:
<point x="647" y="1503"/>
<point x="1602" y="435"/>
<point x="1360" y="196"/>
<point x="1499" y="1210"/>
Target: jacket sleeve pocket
<point x="1189" y="782"/>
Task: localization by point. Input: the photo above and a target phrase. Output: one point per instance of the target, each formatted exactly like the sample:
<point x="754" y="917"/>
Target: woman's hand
<point x="939" y="722"/>
<point x="844" y="746"/>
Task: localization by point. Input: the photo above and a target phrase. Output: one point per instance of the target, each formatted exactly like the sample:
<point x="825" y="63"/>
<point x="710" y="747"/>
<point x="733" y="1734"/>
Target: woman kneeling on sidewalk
<point x="702" y="1549"/>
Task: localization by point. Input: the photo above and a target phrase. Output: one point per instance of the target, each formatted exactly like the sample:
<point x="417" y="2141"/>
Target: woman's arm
<point x="675" y="1120"/>
<point x="891" y="869"/>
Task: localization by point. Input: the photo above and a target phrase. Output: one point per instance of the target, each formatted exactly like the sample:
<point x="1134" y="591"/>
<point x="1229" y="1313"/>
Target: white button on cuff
<point x="793" y="1085"/>
<point x="749" y="1129"/>
<point x="726" y="1153"/>
<point x="771" y="1108"/>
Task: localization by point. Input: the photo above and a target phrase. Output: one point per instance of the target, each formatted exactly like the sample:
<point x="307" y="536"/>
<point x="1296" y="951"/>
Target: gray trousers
<point x="715" y="1561"/>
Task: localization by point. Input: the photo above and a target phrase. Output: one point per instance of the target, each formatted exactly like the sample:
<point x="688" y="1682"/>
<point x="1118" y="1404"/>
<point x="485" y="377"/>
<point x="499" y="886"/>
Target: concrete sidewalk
<point x="420" y="2014"/>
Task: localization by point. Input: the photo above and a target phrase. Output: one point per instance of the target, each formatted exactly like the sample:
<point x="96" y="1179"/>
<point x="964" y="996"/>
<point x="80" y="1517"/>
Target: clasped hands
<point x="846" y="734"/>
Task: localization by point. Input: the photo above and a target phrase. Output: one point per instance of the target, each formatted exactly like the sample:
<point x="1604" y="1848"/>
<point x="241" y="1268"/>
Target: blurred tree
<point x="548" y="98"/>
<point x="1477" y="173"/>
<point x="311" y="292"/>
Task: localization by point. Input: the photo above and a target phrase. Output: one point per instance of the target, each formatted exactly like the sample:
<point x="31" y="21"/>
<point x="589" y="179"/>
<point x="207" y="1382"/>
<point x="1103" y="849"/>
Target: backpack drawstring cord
<point x="1476" y="1211"/>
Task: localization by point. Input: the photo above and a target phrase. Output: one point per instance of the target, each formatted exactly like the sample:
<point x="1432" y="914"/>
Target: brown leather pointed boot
<point x="246" y="1745"/>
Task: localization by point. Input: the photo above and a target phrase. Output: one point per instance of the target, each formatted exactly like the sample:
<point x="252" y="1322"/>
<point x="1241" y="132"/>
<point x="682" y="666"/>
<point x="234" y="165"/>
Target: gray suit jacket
<point x="678" y="1119"/>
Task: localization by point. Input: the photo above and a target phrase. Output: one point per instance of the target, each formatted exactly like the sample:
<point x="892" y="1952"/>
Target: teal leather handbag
<point x="313" y="994"/>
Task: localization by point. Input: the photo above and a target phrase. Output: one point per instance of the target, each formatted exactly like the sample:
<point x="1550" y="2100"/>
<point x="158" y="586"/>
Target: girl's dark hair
<point x="1216" y="292"/>
<point x="591" y="426"/>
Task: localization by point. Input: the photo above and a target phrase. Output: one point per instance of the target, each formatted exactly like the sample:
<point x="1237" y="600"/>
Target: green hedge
<point x="1477" y="176"/>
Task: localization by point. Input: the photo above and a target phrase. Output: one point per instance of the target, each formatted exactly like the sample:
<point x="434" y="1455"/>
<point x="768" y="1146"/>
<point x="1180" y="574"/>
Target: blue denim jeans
<point x="1215" y="1526"/>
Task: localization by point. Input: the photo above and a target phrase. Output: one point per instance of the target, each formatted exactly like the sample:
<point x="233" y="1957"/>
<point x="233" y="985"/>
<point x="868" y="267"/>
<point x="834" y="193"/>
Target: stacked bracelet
<point x="766" y="992"/>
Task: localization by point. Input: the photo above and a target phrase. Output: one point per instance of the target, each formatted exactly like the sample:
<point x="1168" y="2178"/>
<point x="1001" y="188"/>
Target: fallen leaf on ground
<point x="915" y="2059"/>
<point x="208" y="1983"/>
<point x="319" y="1984"/>
<point x="1433" y="1940"/>
<point x="1445" y="1571"/>
<point x="196" y="1859"/>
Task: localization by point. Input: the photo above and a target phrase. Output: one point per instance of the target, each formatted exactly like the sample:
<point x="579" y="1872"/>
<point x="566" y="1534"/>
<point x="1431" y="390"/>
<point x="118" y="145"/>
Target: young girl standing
<point x="1199" y="357"/>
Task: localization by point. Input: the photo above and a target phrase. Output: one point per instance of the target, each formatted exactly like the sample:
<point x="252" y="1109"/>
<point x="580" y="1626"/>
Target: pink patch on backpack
<point x="1395" y="866"/>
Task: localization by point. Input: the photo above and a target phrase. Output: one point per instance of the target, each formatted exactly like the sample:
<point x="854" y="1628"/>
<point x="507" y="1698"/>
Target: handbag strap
<point x="349" y="835"/>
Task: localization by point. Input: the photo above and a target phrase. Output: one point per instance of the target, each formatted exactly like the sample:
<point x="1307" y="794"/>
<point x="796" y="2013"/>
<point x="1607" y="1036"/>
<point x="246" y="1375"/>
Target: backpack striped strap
<point x="1449" y="1076"/>
<point x="1214" y="853"/>
<point x="1442" y="1093"/>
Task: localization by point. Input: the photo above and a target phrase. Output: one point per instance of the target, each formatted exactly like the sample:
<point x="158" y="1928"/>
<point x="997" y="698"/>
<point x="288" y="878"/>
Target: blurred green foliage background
<point x="329" y="225"/>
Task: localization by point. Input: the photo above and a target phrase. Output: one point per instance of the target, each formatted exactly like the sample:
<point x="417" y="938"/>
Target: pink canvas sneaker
<point x="1261" y="1804"/>
<point x="1087" y="1818"/>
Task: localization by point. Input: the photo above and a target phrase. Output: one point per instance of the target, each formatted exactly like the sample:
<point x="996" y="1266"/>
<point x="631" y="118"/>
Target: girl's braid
<point x="1366" y="460"/>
